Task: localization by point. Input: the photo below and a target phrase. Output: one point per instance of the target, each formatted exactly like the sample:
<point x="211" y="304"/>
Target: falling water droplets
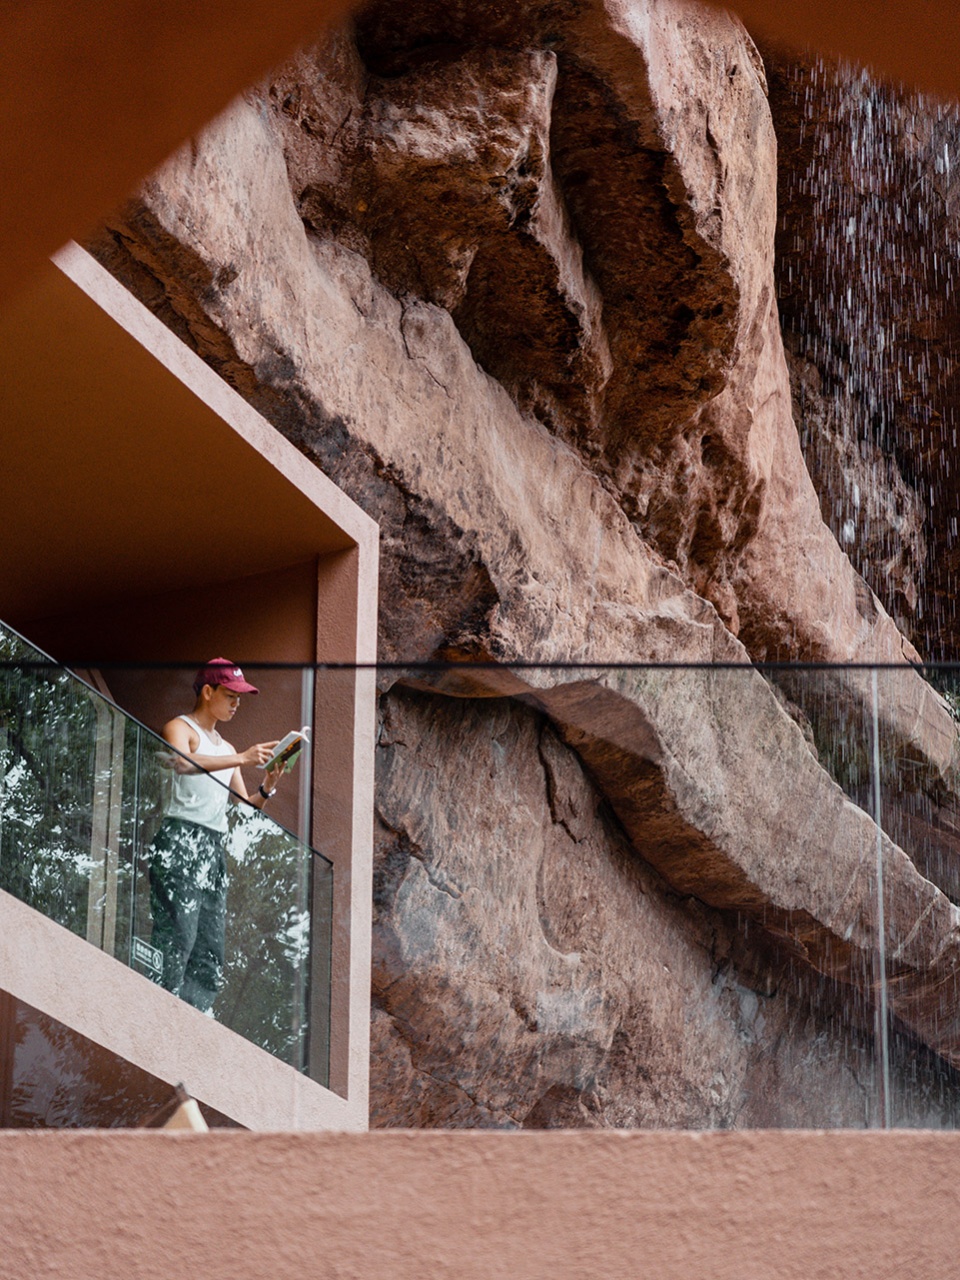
<point x="868" y="249"/>
<point x="869" y="259"/>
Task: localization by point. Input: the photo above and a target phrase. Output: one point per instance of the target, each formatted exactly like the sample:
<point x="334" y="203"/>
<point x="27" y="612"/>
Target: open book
<point x="288" y="749"/>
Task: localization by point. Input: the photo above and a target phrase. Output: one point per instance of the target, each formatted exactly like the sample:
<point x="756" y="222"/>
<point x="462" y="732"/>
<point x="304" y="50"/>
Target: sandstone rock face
<point x="507" y="274"/>
<point x="531" y="972"/>
<point x="873" y="512"/>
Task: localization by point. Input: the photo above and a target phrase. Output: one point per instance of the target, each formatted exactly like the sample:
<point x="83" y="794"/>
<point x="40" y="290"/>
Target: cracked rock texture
<point x="507" y="273"/>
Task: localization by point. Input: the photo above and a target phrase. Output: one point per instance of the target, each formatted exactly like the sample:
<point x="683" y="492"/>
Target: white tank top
<point x="195" y="797"/>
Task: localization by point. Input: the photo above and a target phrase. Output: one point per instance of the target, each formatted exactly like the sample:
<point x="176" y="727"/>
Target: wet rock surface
<point x="506" y="273"/>
<point x="869" y="198"/>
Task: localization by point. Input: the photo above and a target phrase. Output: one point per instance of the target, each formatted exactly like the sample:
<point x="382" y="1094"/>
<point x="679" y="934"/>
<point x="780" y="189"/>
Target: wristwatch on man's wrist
<point x="267" y="794"/>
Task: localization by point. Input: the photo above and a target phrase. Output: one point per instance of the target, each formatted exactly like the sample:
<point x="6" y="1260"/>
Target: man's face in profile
<point x="223" y="703"/>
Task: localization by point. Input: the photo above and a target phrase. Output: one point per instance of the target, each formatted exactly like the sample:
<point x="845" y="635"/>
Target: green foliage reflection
<point x="81" y="797"/>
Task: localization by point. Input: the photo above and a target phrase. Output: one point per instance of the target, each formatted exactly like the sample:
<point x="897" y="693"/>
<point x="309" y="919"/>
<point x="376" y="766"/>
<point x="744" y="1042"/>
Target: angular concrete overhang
<point x="151" y="514"/>
<point x="114" y="428"/>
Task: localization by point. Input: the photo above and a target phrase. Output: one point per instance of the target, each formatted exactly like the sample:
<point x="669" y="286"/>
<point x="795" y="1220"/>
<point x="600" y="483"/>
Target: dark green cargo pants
<point x="188" y="903"/>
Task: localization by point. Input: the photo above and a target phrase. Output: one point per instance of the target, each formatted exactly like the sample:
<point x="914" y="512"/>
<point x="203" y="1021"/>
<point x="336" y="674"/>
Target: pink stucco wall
<point x="723" y="1206"/>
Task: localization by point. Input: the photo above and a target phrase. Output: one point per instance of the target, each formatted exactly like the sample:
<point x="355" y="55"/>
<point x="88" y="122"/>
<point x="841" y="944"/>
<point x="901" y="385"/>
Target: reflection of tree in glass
<point x="49" y="796"/>
<point x="268" y="930"/>
<point x="47" y="747"/>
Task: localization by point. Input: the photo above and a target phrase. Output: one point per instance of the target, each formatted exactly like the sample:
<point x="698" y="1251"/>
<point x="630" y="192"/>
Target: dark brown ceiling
<point x="117" y="480"/>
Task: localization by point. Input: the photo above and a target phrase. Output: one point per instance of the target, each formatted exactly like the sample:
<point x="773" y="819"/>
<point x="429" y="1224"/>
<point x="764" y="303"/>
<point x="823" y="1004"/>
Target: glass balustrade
<point x="83" y="790"/>
<point x="715" y="896"/>
<point x="730" y="892"/>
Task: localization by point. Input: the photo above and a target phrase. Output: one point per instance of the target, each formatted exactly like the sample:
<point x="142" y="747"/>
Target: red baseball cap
<point x="222" y="671"/>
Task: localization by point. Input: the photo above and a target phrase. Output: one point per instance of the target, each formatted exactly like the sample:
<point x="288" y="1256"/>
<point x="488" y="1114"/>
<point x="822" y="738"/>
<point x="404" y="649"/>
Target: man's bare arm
<point x="179" y="734"/>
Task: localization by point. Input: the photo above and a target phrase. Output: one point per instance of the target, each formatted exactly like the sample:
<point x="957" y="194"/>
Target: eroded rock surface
<point x="531" y="972"/>
<point x="507" y="274"/>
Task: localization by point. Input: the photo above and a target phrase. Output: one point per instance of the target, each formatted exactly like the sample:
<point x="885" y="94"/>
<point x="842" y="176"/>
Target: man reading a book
<point x="188" y="871"/>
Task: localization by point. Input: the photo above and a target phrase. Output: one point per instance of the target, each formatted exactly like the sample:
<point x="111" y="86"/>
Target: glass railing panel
<point x="917" y="802"/>
<point x="888" y="737"/>
<point x="48" y="761"/>
<point x="84" y="788"/>
<point x="791" y="956"/>
<point x="269" y="914"/>
<point x="656" y="893"/>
